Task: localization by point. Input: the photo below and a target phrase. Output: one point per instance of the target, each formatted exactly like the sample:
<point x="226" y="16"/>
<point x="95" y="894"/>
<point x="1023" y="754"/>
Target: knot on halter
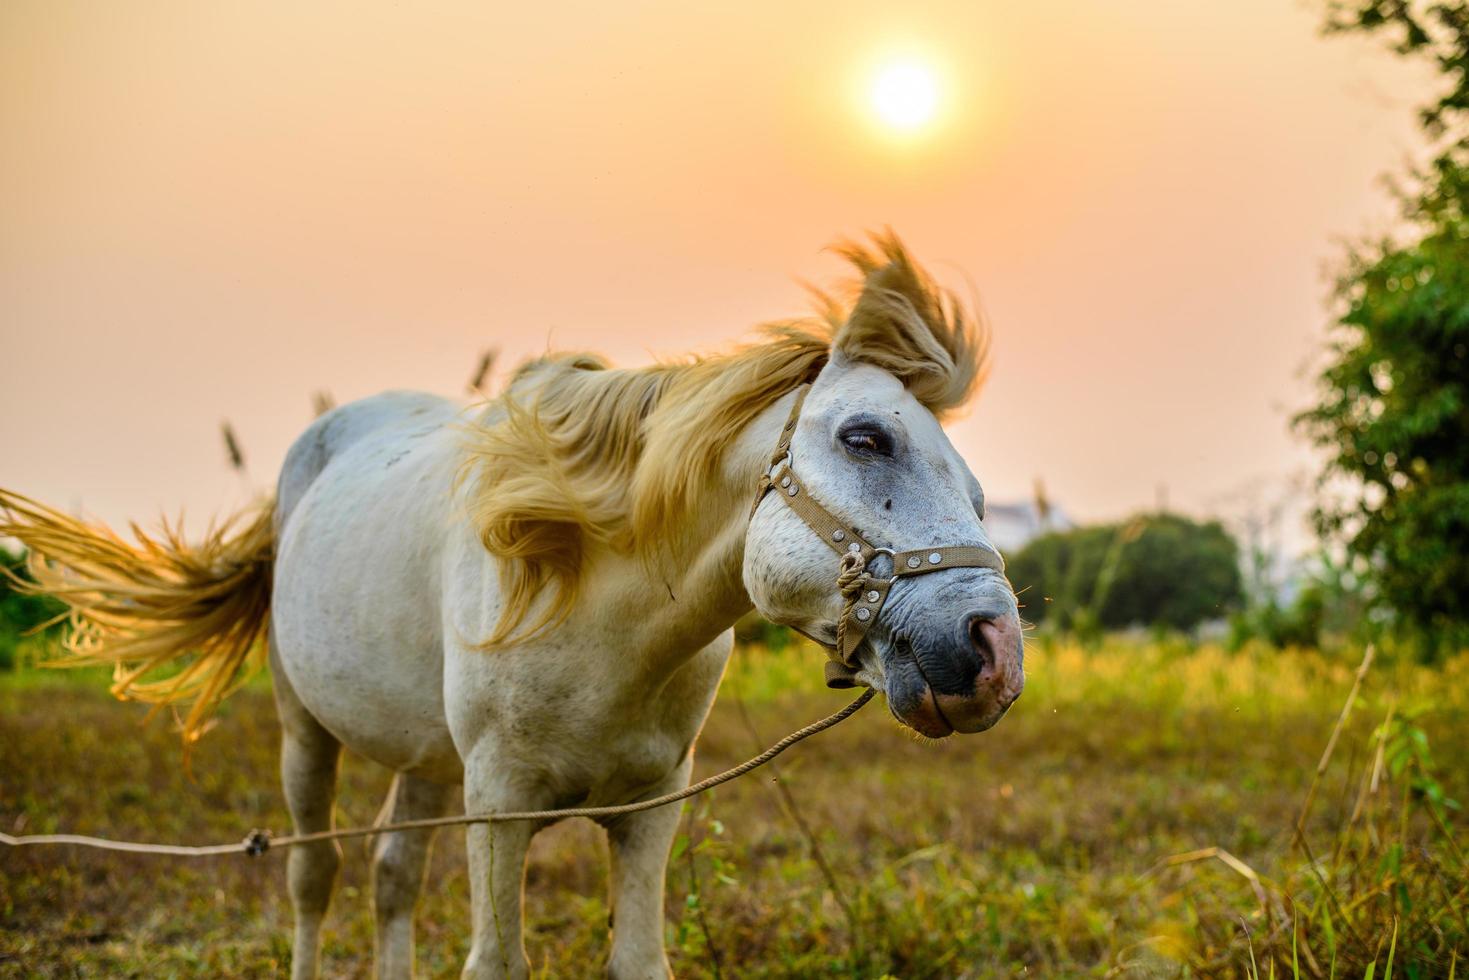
<point x="862" y="594"/>
<point x="850" y="580"/>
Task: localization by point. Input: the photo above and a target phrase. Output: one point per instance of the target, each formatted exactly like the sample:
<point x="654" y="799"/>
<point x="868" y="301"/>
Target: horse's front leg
<point x="496" y="874"/>
<point x="640" y="843"/>
<point x="397" y="870"/>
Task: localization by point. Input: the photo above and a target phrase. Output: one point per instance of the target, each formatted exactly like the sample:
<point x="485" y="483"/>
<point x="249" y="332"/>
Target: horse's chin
<point x="924" y="717"/>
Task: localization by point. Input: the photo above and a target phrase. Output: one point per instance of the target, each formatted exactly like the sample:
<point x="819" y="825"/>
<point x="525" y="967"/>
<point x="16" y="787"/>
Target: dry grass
<point x="1071" y="840"/>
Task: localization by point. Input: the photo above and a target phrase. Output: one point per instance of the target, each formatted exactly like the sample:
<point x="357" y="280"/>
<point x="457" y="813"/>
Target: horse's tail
<point x="176" y="622"/>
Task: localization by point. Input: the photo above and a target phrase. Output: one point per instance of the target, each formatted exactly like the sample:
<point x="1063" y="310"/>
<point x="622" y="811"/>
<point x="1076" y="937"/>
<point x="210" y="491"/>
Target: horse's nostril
<point x="981" y="643"/>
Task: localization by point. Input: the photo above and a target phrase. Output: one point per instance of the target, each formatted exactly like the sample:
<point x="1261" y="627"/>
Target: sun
<point x="905" y="95"/>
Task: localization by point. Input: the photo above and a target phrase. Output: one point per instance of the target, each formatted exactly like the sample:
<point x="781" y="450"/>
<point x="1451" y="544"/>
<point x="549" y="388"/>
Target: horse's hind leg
<point x="397" y="870"/>
<point x="309" y="757"/>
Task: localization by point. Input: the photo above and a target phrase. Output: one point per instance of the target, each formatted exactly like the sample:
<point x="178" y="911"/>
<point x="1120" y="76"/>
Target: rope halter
<point x="863" y="593"/>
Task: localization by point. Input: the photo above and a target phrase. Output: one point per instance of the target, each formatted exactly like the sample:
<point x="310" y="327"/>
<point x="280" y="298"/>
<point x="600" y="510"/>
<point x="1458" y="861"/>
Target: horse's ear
<point x="904" y="323"/>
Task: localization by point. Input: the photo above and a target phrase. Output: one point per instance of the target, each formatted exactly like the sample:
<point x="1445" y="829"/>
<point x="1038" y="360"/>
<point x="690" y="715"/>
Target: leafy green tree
<point x="1159" y="569"/>
<point x="1394" y="411"/>
<point x="19" y="613"/>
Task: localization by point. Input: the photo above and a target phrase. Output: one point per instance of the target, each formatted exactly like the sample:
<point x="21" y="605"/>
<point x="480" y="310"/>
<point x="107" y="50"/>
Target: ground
<point x="1041" y="847"/>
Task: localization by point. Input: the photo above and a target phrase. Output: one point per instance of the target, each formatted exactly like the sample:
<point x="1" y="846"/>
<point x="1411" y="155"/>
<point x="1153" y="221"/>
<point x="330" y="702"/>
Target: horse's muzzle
<point x="970" y="682"/>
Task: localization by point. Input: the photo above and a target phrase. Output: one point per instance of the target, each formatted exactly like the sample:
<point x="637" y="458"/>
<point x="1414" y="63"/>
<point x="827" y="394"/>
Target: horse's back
<point x="363" y="506"/>
<point x="339" y="429"/>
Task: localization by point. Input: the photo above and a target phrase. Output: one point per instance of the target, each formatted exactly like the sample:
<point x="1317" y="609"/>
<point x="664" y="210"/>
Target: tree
<point x="1393" y="417"/>
<point x="1160" y="569"/>
<point x="19" y="612"/>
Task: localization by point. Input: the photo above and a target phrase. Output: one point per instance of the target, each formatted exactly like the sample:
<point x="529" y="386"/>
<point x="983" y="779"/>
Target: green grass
<point x="1074" y="839"/>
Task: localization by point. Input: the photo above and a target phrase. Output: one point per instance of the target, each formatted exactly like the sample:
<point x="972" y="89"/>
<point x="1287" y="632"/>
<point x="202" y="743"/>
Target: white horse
<point x="535" y="602"/>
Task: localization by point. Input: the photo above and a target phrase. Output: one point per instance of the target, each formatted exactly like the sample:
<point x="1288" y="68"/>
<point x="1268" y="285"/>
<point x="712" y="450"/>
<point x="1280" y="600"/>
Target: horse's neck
<point x="696" y="595"/>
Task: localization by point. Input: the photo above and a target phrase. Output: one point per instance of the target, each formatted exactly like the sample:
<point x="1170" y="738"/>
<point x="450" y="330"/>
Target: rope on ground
<point x="260" y="841"/>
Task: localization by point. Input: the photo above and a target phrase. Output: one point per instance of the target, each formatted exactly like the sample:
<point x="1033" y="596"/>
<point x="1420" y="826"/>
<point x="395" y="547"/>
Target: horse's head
<point x="945" y="642"/>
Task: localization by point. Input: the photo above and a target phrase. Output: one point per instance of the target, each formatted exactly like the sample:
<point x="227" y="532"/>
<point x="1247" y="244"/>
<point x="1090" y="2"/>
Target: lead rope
<point x="260" y="841"/>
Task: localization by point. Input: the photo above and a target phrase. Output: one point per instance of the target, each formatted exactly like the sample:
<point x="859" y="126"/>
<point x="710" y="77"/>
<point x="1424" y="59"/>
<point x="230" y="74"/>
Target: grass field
<point x="1070" y="840"/>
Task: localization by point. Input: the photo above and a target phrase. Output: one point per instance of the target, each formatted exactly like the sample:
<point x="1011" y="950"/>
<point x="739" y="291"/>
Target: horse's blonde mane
<point x="575" y="454"/>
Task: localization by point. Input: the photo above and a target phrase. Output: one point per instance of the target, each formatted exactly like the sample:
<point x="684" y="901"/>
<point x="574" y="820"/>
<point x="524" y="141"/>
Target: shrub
<point x="1158" y="569"/>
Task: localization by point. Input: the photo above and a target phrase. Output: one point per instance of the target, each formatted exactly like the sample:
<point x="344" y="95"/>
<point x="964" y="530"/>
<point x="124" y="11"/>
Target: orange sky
<point x="210" y="214"/>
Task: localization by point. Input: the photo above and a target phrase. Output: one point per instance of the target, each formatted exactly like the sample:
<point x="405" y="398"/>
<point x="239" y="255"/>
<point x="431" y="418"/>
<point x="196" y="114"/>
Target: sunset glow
<point x="216" y="216"/>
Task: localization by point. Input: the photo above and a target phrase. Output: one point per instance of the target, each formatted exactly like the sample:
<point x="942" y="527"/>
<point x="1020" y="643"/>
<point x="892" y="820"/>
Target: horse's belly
<point x="380" y="701"/>
<point x="355" y="609"/>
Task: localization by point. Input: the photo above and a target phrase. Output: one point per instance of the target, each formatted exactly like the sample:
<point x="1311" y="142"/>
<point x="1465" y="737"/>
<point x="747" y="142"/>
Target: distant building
<point x="1013" y="526"/>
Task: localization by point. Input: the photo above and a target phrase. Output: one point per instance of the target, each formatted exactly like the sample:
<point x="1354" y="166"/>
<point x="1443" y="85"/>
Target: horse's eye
<point x="866" y="441"/>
